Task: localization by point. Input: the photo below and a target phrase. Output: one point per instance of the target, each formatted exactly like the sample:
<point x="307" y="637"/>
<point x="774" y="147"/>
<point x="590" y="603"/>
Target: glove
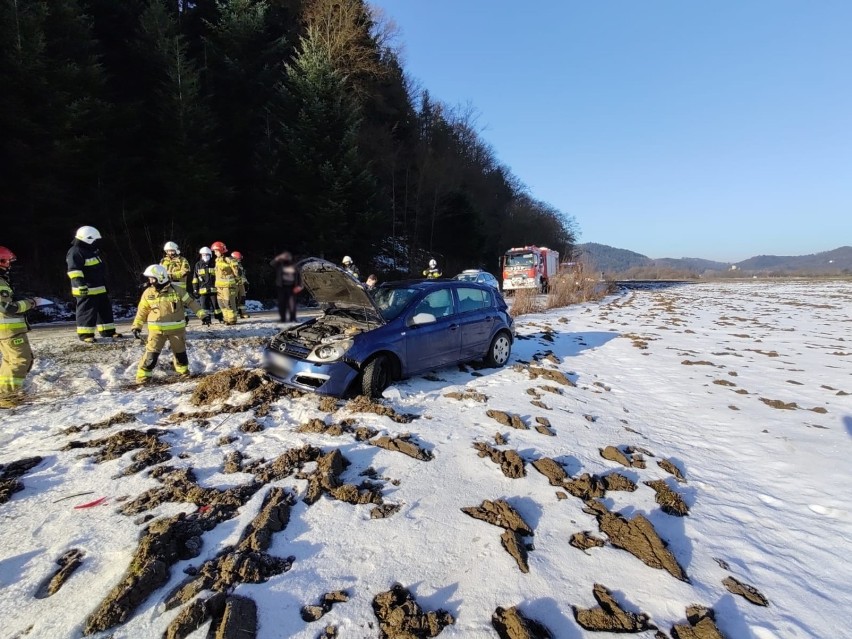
<point x="83" y="291"/>
<point x="136" y="332"/>
<point x="206" y="320"/>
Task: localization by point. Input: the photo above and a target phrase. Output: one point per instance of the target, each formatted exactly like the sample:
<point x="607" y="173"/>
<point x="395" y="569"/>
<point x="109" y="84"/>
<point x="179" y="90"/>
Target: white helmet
<point x="158" y="272"/>
<point x="87" y="234"/>
<point x="347" y="259"/>
<point x="205" y="250"/>
<point x="171" y="246"/>
<point x="432" y="264"/>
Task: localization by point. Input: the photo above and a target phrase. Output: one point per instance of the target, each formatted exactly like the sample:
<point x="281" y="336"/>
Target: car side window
<point x="472" y="299"/>
<point x="437" y="303"/>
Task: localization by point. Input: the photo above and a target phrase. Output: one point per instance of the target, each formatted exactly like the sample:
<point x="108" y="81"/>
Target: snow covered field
<point x="743" y="389"/>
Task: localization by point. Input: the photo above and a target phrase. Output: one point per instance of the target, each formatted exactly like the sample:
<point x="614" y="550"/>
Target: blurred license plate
<point x="283" y="362"/>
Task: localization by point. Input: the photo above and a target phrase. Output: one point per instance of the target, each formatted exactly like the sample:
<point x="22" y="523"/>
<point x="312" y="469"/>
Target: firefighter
<point x="88" y="286"/>
<point x="176" y="265"/>
<point x="433" y="272"/>
<point x="226" y="283"/>
<point x="162" y="306"/>
<point x="349" y="267"/>
<point x="204" y="282"/>
<point x="16" y="356"/>
<point x="242" y="285"/>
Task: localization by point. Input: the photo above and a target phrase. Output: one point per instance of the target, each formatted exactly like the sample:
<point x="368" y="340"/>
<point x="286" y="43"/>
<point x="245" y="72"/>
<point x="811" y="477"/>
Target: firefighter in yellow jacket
<point x="176" y="265"/>
<point x="242" y="284"/>
<point x="162" y="306"/>
<point x="15" y="351"/>
<point x="227" y="280"/>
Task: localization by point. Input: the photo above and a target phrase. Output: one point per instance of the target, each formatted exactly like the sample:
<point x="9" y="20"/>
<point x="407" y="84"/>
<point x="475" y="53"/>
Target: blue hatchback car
<point x="362" y="342"/>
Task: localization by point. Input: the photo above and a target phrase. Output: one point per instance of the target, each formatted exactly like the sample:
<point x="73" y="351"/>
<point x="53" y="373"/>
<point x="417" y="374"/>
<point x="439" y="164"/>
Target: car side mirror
<point x="422" y="318"/>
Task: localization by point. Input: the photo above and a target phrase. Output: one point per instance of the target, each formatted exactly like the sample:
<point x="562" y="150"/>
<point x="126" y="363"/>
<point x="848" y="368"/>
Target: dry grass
<point x="575" y="287"/>
<point x="524" y="302"/>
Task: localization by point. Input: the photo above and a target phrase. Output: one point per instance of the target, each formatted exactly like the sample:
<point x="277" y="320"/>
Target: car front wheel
<point x="499" y="351"/>
<point x="376" y="376"/>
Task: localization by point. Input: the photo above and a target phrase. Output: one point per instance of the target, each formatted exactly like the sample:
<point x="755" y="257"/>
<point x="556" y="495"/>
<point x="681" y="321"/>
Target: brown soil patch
<point x="669" y="466"/>
<point x="540" y="404"/>
<point x="328" y="404"/>
<point x="507" y="419"/>
<point x="638" y="537"/>
<point x="153" y="450"/>
<point x="551" y="389"/>
<point x="316" y="612"/>
<point x="637" y="340"/>
<point x="670" y="502"/>
<point x="513" y="543"/>
<point x="233" y="462"/>
<point x="588" y="486"/>
<point x="767" y="353"/>
<point x="500" y="439"/>
<point x="794" y="382"/>
<point x="285" y="464"/>
<point x="68" y="563"/>
<point x="363" y="404"/>
<point x="510" y="623"/>
<point x="468" y="394"/>
<point x="180" y="485"/>
<point x="118" y="418"/>
<point x="750" y="593"/>
<point x="248" y="561"/>
<point x="701" y="625"/>
<point x="164" y="542"/>
<point x="10" y="474"/>
<point x="819" y="409"/>
<point x="499" y="513"/>
<point x="609" y="616"/>
<point x="585" y="540"/>
<point x="403" y="444"/>
<point x="723" y="382"/>
<point x="251" y="426"/>
<point x="400" y="617"/>
<point x="777" y="403"/>
<point x="551" y="469"/>
<point x="627" y="459"/>
<point x="687" y="362"/>
<point x="548" y="373"/>
<point x="219" y="386"/>
<point x="239" y="621"/>
<point x="510" y="461"/>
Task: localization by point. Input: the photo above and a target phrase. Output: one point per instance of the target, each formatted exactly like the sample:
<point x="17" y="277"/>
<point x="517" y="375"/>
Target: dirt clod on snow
<point x="669" y="466"/>
<point x="638" y="537"/>
<point x="363" y="404"/>
<point x="118" y="418"/>
<point x="585" y="540"/>
<point x="670" y="502"/>
<point x="609" y="616"/>
<point x="510" y="623"/>
<point x="701" y="625"/>
<point x="624" y="458"/>
<point x="750" y="593"/>
<point x="313" y="613"/>
<point x="68" y="563"/>
<point x="400" y="617"/>
<point x="152" y="449"/>
<point x="507" y="419"/>
<point x="499" y="513"/>
<point x="403" y="444"/>
<point x="510" y="462"/>
<point x="467" y="394"/>
<point x="10" y="474"/>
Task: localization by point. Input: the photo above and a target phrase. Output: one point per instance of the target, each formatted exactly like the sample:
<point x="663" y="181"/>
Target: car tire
<point x="376" y="376"/>
<point x="499" y="350"/>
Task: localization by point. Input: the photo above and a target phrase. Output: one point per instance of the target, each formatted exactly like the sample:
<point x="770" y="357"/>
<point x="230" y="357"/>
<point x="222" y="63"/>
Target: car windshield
<point x="520" y="259"/>
<point x="392" y="301"/>
<point x="467" y="277"/>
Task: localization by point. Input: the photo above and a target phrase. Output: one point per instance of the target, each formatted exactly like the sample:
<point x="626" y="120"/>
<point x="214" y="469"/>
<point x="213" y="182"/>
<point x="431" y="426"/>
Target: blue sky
<point x="719" y="130"/>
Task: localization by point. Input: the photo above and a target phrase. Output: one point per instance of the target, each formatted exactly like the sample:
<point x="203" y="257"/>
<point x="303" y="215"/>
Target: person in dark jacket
<point x="88" y="286"/>
<point x="204" y="282"/>
<point x="289" y="284"/>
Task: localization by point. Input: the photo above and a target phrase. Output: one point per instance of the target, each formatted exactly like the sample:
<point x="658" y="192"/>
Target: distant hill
<point x="614" y="260"/>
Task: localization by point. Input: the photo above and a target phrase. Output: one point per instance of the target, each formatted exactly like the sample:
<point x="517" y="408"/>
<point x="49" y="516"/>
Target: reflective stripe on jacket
<point x="226" y="272"/>
<point x="204" y="277"/>
<point x="163" y="309"/>
<point x="178" y="269"/>
<point x="12" y="320"/>
<point x="85" y="269"/>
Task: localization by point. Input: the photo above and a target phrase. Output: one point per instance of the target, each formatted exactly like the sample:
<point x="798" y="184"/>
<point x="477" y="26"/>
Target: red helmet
<point x="236" y="255"/>
<point x="219" y="246"/>
<point x="6" y="257"/>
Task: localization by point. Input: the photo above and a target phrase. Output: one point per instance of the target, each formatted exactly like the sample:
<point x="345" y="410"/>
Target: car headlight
<point x="330" y="352"/>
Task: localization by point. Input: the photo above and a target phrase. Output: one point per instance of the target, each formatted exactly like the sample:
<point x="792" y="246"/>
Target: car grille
<point x="288" y="348"/>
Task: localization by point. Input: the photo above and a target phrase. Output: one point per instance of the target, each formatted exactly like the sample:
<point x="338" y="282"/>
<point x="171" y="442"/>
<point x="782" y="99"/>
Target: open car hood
<point x="329" y="284"/>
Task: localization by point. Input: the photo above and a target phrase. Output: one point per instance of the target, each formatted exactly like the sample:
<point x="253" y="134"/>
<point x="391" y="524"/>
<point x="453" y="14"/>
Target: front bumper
<point x="333" y="378"/>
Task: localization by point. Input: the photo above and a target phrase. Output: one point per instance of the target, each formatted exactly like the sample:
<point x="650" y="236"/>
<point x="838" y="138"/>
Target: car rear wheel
<point x="376" y="376"/>
<point x="499" y="351"/>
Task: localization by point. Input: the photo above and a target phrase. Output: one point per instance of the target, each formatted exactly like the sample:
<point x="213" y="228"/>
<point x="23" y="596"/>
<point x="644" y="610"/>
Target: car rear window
<point x="472" y="299"/>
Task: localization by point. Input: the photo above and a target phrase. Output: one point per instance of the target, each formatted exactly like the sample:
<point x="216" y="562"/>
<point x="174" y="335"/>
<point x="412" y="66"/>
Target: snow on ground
<point x="743" y="387"/>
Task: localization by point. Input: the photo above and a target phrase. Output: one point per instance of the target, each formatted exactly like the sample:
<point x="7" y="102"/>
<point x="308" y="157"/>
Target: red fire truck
<point x="529" y="267"/>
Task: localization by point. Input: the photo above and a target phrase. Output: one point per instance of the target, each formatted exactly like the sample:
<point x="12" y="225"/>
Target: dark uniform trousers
<point x="95" y="312"/>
